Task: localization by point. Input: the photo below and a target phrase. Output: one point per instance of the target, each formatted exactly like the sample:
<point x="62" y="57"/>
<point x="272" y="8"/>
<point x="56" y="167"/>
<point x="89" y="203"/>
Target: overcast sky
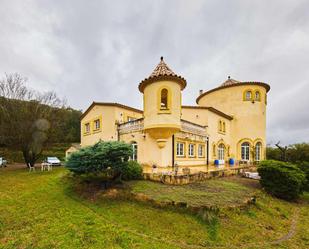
<point x="100" y="50"/>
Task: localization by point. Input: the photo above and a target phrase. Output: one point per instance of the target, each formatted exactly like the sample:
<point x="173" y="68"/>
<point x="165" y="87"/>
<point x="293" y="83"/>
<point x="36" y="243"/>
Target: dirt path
<point x="292" y="230"/>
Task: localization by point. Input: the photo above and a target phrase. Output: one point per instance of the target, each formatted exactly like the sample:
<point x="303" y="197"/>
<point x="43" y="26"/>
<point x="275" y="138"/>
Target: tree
<point x="27" y="117"/>
<point x="283" y="151"/>
<point x="106" y="160"/>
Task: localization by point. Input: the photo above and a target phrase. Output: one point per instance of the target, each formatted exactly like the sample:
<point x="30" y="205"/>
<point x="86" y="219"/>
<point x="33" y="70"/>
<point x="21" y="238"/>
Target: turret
<point x="162" y="102"/>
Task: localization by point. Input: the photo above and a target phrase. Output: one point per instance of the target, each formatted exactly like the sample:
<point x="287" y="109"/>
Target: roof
<point x="110" y="104"/>
<point x="162" y="72"/>
<point x="232" y="83"/>
<point x="229" y="82"/>
<point x="212" y="109"/>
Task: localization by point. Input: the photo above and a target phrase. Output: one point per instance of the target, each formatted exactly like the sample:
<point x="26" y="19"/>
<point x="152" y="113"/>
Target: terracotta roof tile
<point x="162" y="69"/>
<point x="162" y="72"/>
<point x="229" y="81"/>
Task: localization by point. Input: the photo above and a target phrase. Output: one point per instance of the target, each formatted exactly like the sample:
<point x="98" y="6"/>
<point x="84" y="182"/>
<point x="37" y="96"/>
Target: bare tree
<point x="26" y="116"/>
<point x="283" y="151"/>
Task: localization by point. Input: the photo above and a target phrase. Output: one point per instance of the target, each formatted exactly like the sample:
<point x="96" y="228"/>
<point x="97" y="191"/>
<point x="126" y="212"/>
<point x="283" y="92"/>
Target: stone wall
<point x="197" y="177"/>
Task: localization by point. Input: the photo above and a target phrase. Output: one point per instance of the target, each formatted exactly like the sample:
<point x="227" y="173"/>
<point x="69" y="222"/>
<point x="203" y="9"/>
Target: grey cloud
<point x="101" y="50"/>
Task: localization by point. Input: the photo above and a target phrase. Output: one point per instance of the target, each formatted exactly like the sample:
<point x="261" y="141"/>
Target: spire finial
<point x="161" y="58"/>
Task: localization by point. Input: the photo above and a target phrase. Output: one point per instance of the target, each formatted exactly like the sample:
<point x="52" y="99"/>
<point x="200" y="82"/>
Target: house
<point x="227" y="124"/>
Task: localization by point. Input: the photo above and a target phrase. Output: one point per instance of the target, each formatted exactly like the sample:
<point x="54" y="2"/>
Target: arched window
<point x="221" y="152"/>
<point x="248" y="95"/>
<point x="223" y="129"/>
<point x="258" y="150"/>
<point x="257" y="96"/>
<point x="220" y="125"/>
<point x="245" y="151"/>
<point x="134" y="151"/>
<point x="164" y="99"/>
<point x="214" y="150"/>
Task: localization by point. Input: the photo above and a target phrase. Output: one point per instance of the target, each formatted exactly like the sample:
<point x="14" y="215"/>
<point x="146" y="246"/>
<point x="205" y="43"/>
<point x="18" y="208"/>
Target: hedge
<point x="283" y="180"/>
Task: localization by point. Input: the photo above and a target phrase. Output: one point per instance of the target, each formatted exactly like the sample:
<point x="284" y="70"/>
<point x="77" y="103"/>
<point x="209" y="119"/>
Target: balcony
<point x="138" y="125"/>
<point x="131" y="126"/>
<point x="192" y="128"/>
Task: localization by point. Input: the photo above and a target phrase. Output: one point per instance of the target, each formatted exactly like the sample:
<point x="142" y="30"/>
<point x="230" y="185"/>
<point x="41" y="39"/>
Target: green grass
<point x="39" y="210"/>
<point x="212" y="193"/>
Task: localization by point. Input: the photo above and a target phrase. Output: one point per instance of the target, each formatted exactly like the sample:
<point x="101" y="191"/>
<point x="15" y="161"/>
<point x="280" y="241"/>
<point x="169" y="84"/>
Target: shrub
<point x="280" y="179"/>
<point x="133" y="171"/>
<point x="104" y="159"/>
<point x="304" y="166"/>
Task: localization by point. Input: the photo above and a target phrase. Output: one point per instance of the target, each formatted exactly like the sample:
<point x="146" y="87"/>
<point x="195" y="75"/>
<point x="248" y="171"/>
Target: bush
<point x="304" y="166"/>
<point x="282" y="180"/>
<point x="133" y="171"/>
<point x="104" y="159"/>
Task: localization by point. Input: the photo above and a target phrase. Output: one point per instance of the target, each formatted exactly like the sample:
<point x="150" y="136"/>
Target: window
<point x="257" y="96"/>
<point x="134" y="151"/>
<point x="245" y="149"/>
<point x="180" y="149"/>
<point x="97" y="124"/>
<point x="129" y="119"/>
<point x="221" y="152"/>
<point x="214" y="150"/>
<point x="200" y="150"/>
<point x="221" y="126"/>
<point x="248" y="95"/>
<point x="258" y="149"/>
<point x="164" y="99"/>
<point x="87" y="128"/>
<point x="191" y="150"/>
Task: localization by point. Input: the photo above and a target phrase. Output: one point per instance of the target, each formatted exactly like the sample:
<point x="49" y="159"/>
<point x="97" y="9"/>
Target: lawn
<point x="218" y="193"/>
<point x="40" y="210"/>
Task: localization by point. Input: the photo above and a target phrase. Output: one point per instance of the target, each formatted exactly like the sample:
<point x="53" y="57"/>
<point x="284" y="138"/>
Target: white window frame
<point x="87" y="127"/>
<point x="258" y="150"/>
<point x="180" y="149"/>
<point x="97" y="124"/>
<point x="221" y="152"/>
<point x="200" y="150"/>
<point x="245" y="151"/>
<point x="247" y="97"/>
<point x="134" y="151"/>
<point x="191" y="150"/>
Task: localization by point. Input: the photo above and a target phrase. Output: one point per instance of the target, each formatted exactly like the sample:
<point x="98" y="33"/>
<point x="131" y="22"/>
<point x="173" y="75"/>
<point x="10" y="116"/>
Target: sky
<point x="100" y="50"/>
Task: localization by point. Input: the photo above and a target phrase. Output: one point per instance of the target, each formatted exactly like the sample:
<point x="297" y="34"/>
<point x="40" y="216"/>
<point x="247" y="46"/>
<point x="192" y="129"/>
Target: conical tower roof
<point x="162" y="72"/>
<point x="229" y="82"/>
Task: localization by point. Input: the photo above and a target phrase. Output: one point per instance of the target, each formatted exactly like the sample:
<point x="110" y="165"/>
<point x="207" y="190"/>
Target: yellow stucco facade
<point x="227" y="124"/>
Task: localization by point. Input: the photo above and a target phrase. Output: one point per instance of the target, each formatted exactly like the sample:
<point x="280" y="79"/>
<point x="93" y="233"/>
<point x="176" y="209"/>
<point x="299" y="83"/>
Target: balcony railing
<point x="138" y="125"/>
<point x="131" y="126"/>
<point x="192" y="128"/>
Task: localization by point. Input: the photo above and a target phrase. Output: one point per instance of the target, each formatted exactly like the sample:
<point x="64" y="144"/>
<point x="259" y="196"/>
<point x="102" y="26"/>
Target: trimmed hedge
<point x="304" y="166"/>
<point x="283" y="180"/>
<point x="133" y="171"/>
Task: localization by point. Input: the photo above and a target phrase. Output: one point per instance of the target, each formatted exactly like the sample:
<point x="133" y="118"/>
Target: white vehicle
<point x="54" y="161"/>
<point x="2" y="162"/>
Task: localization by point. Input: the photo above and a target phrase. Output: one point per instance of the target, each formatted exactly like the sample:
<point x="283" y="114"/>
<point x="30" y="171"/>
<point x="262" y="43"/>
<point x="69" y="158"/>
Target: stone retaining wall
<point x="197" y="177"/>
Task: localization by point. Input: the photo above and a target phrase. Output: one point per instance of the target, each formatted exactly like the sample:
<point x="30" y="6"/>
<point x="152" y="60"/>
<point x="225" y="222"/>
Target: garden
<point x="109" y="206"/>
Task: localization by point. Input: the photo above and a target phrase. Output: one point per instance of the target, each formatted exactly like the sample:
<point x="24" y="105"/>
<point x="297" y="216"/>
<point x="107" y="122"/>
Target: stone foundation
<point x="174" y="179"/>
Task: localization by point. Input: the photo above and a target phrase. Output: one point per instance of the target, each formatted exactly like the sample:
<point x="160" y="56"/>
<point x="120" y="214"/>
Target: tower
<point x="162" y="103"/>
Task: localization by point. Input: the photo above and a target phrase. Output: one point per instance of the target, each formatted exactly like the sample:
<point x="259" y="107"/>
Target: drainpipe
<point x="173" y="151"/>
<point x="118" y="135"/>
<point x="207" y="151"/>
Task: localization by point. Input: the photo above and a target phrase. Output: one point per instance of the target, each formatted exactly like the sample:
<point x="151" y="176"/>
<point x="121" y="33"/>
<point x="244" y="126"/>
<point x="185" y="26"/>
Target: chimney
<point x="201" y="92"/>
